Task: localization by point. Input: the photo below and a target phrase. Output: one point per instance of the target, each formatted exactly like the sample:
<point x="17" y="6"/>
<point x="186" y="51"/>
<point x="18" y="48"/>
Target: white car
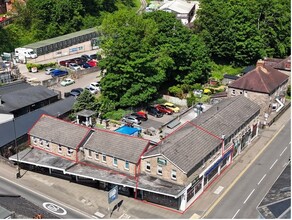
<point x="67" y="82"/>
<point x="49" y="70"/>
<point x="95" y="85"/>
<point x="74" y="66"/>
<point x="91" y="90"/>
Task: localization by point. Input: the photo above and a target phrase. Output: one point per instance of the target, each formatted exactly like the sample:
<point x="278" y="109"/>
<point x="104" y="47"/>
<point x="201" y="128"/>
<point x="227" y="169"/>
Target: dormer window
<point x="70" y="151"/>
<point x="89" y="153"/>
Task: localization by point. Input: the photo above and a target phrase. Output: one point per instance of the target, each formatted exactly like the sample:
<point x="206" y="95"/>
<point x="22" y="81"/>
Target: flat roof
<point x="60" y="38"/>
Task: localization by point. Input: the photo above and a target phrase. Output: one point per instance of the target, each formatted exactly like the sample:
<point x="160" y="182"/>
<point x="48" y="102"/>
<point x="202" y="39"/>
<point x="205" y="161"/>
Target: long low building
<point x="172" y="173"/>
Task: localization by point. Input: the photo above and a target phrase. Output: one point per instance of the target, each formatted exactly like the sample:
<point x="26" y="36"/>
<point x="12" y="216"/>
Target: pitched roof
<point x="285" y="64"/>
<point x="24" y="97"/>
<point x="262" y="79"/>
<point x="186" y="146"/>
<point x="189" y="144"/>
<point x="13" y="86"/>
<point x="228" y="76"/>
<point x="59" y="131"/>
<point x="117" y="145"/>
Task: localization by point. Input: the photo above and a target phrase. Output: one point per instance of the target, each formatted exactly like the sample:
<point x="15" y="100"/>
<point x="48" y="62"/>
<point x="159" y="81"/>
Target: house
<point x="184" y="10"/>
<point x="265" y="86"/>
<point x="19" y="98"/>
<point x="172" y="173"/>
<point x="283" y="65"/>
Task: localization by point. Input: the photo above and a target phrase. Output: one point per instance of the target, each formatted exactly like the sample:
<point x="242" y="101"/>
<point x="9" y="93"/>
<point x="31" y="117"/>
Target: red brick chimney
<point x="260" y="63"/>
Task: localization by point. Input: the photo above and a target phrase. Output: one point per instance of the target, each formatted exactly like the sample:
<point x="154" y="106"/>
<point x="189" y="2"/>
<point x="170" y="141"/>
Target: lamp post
<point x="15" y="146"/>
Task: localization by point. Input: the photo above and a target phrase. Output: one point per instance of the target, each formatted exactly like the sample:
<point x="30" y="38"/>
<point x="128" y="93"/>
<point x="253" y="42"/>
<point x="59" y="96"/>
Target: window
<point x="70" y="151"/>
<point x="34" y="140"/>
<point x="41" y="143"/>
<point x="240" y="92"/>
<point x="127" y="166"/>
<point x="47" y="145"/>
<point x="103" y="158"/>
<point x="233" y="92"/>
<point x="96" y="156"/>
<point x="173" y="174"/>
<point x="148" y="167"/>
<point x="89" y="153"/>
<point x="159" y="170"/>
<point x="60" y="148"/>
<point x="115" y="161"/>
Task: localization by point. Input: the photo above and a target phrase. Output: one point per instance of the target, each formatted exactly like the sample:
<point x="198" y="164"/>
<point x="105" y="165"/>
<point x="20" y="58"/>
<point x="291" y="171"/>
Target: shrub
<point x="191" y="100"/>
<point x="116" y="115"/>
<point x="176" y="91"/>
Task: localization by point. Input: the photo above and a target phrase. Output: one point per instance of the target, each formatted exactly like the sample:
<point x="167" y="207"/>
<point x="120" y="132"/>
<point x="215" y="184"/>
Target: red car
<point x="164" y="109"/>
<point x="141" y="115"/>
<point x="92" y="63"/>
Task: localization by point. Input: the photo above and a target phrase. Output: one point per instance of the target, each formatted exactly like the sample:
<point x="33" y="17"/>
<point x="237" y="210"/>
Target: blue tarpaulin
<point x="129" y="130"/>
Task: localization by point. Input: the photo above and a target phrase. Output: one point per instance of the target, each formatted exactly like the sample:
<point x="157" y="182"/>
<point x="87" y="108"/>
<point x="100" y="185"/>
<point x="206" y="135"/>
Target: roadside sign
<point x="113" y="194"/>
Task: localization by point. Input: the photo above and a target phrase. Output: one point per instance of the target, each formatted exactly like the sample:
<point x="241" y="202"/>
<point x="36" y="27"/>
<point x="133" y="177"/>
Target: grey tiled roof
<point x="25" y="97"/>
<point x="186" y="146"/>
<point x="58" y="131"/>
<point x="118" y="145"/>
<point x="14" y="86"/>
<point x="189" y="144"/>
<point x="227" y="116"/>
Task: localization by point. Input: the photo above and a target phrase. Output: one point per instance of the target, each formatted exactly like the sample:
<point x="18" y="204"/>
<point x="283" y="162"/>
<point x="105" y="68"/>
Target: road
<point x="58" y="209"/>
<point x="243" y="198"/>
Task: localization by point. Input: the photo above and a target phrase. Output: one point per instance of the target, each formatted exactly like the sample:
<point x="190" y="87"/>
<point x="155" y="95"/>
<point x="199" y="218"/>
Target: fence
<point x="279" y="114"/>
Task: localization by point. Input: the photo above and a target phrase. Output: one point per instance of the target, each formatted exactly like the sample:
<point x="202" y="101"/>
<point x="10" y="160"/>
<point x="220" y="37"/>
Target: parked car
<point x="142" y="116"/>
<point x="92" y="63"/>
<point x="164" y="109"/>
<point x="79" y="61"/>
<point x="58" y="72"/>
<point x="85" y="65"/>
<point x="85" y="57"/>
<point x="49" y="70"/>
<point x="91" y="90"/>
<point x="131" y="119"/>
<point x="171" y="106"/>
<point x="95" y="57"/>
<point x="67" y="82"/>
<point x="66" y="62"/>
<point x="154" y="112"/>
<point x="74" y="66"/>
<point x="77" y="90"/>
<point x="74" y="94"/>
<point x="95" y="85"/>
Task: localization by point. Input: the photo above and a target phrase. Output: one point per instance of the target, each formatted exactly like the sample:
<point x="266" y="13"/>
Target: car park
<point x="154" y="112"/>
<point x="131" y="120"/>
<point x="91" y="90"/>
<point x="164" y="109"/>
<point x="74" y="66"/>
<point x="67" y="82"/>
<point x="58" y="72"/>
<point x="85" y="65"/>
<point x="92" y="63"/>
<point x="171" y="106"/>
<point x="85" y="57"/>
<point x="142" y="116"/>
<point x="95" y="85"/>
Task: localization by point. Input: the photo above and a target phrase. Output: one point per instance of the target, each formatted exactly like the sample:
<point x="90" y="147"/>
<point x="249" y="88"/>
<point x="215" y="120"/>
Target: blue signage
<point x="113" y="194"/>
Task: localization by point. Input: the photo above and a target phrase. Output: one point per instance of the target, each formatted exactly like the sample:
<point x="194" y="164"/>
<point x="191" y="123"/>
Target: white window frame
<point x="159" y="170"/>
<point x="47" y="145"/>
<point x="69" y="151"/>
<point x="103" y="156"/>
<point x="96" y="156"/>
<point x="127" y="162"/>
<point x="89" y="153"/>
<point x="148" y="164"/>
<point x="35" y="140"/>
<point x="41" y="143"/>
<point x="173" y="174"/>
<point x="60" y="149"/>
<point x="115" y="161"/>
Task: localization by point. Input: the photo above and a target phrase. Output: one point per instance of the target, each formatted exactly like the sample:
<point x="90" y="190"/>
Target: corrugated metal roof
<point x="179" y="6"/>
<point x="60" y="38"/>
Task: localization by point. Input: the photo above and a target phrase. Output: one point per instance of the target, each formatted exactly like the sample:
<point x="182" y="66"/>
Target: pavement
<point x="95" y="202"/>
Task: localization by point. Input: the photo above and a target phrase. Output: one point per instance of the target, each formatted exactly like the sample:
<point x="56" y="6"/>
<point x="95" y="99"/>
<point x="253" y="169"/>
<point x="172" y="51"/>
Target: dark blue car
<point x="58" y="72"/>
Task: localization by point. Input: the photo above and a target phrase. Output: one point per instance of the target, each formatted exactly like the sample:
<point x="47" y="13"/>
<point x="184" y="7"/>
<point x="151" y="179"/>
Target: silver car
<point x="131" y="120"/>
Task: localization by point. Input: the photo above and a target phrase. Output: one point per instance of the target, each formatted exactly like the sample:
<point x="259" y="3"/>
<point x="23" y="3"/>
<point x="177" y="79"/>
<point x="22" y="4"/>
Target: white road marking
<point x="262" y="179"/>
<point x="249" y="196"/>
<point x="283" y="151"/>
<point x="58" y="210"/>
<point x="273" y="164"/>
<point x="44" y="196"/>
<point x="218" y="190"/>
<point x="235" y="213"/>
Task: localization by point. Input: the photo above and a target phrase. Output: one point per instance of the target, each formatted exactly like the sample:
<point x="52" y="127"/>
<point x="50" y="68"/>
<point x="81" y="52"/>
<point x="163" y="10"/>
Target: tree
<point x="85" y="101"/>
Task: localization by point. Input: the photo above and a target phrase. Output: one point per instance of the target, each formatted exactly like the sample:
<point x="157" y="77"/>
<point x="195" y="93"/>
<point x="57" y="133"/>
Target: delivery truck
<point x="26" y="52"/>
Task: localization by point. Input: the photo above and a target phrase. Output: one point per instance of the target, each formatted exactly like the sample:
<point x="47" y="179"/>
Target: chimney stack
<point x="260" y="63"/>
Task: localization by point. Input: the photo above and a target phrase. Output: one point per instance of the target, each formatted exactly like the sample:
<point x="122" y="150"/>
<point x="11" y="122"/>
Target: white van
<point x="28" y="53"/>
